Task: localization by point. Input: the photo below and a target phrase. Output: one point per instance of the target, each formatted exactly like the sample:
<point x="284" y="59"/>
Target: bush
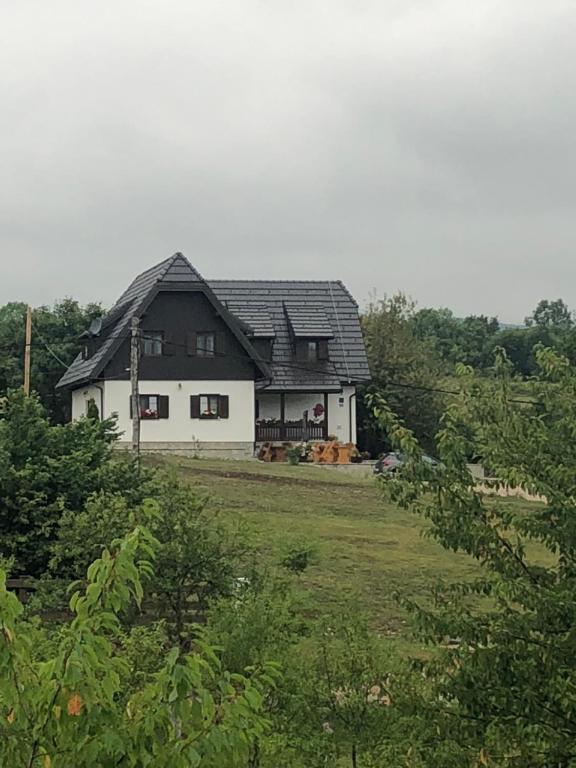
<point x="197" y="557"/>
<point x="46" y="471"/>
<point x="70" y="707"/>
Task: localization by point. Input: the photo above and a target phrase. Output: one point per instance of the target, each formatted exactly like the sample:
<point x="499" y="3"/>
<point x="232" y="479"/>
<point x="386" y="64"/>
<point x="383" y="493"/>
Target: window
<point x="209" y="406"/>
<point x="152" y="407"/>
<point x="205" y="344"/>
<point x="152" y="343"/>
<point x="312" y="351"/>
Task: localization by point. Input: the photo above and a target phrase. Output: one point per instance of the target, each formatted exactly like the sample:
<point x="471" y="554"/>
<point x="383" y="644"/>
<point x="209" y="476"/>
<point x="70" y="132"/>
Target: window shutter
<point x="169" y="346"/>
<point x="163" y="406"/>
<point x="301" y="349"/>
<point x="131" y="414"/>
<point x="191" y="343"/>
<point x="223" y="410"/>
<point x="219" y="343"/>
<point x="323" y="350"/>
<point x="195" y="406"/>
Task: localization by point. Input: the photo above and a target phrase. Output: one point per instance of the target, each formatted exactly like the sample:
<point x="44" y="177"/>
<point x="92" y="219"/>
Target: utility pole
<point x="134" y="355"/>
<point x="27" y="350"/>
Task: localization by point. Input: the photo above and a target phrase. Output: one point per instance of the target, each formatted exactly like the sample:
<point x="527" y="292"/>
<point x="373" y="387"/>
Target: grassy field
<point x="368" y="549"/>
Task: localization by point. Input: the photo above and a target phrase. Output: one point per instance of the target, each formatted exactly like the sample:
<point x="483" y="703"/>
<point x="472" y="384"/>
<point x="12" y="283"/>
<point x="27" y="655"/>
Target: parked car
<point x="389" y="463"/>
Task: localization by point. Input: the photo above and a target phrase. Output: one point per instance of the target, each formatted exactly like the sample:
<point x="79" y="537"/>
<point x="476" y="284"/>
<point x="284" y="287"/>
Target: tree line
<point x="55" y="343"/>
<point x="414" y="355"/>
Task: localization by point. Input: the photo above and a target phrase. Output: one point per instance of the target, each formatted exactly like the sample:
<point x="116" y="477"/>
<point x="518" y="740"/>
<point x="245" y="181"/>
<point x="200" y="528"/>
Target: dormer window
<point x="310" y="330"/>
<point x="312" y="351"/>
<point x="152" y="343"/>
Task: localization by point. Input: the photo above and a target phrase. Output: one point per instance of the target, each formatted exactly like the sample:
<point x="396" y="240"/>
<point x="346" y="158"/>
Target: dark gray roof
<point x="308" y="322"/>
<point x="347" y="354"/>
<point x="82" y="370"/>
<point x="254" y="316"/>
<point x="265" y="309"/>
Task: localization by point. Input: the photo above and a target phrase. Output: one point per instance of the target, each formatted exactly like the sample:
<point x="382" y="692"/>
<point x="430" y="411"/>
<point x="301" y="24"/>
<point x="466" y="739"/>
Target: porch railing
<point x="290" y="432"/>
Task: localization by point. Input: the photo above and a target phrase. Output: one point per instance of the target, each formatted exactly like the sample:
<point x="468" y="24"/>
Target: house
<point x="225" y="364"/>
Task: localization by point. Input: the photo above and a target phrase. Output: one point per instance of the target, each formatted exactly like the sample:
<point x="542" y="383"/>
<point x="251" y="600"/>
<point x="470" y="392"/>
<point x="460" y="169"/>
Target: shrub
<point x="69" y="707"/>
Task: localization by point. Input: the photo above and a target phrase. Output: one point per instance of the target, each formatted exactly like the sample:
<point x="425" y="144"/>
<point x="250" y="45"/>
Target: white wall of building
<point x="239" y="427"/>
<point x="297" y="403"/>
<point x="269" y="406"/>
<point x="339" y="407"/>
<point x="81" y="398"/>
<point x="179" y="426"/>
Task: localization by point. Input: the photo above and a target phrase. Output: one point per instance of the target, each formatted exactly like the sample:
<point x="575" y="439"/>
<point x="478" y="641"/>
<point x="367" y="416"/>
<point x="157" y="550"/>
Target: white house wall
<point x="81" y="398"/>
<point x="296" y="404"/>
<point x="232" y="437"/>
<point x="269" y="406"/>
<point x="340" y="407"/>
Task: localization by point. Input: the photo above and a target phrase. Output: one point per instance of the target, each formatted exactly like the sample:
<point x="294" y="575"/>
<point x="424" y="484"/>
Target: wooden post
<point x="27" y="350"/>
<point x="134" y="356"/>
<point x="282" y="435"/>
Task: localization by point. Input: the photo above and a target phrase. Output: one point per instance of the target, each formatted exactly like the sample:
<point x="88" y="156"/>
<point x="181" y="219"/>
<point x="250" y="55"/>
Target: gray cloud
<point x="416" y="146"/>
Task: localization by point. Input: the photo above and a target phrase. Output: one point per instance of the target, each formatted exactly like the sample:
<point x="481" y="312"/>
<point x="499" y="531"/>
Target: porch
<point x="288" y="417"/>
<point x="290" y="432"/>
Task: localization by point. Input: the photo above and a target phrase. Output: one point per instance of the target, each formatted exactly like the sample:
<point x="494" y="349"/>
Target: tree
<point x="469" y="341"/>
<point x="403" y="367"/>
<point x="551" y="314"/>
<point x="439" y="327"/>
<point x="346" y="691"/>
<point x="519" y="344"/>
<point x="46" y="470"/>
<point x="197" y="557"/>
<point x="70" y="708"/>
<point x="507" y="692"/>
<point x="55" y="344"/>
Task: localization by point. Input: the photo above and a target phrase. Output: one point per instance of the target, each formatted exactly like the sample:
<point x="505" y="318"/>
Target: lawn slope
<point x="369" y="551"/>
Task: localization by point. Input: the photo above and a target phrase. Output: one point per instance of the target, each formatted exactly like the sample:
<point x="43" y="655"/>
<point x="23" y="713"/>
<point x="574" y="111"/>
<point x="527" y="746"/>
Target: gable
<point x="180" y="316"/>
<point x="174" y="274"/>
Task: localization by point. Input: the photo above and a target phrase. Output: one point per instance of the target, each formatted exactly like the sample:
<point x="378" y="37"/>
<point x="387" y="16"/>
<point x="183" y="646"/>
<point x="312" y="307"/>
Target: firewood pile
<point x="330" y="452"/>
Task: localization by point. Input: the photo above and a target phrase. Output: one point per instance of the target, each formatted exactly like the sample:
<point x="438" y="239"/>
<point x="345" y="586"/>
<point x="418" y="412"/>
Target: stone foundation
<point x="236" y="450"/>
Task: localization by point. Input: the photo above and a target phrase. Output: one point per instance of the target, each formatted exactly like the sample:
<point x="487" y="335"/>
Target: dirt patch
<point x="262" y="478"/>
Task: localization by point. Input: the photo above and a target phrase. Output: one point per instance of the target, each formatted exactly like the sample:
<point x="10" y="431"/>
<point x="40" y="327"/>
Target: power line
<point x="48" y="349"/>
<point x="361" y="380"/>
<point x="337" y="316"/>
<point x="276" y="363"/>
<point x="450" y="392"/>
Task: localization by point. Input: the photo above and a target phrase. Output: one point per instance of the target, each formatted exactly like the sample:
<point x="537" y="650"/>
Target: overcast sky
<point x="426" y="146"/>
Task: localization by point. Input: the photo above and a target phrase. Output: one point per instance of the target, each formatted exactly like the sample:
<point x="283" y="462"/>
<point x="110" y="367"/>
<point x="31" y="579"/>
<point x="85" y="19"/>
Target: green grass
<point x="368" y="549"/>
